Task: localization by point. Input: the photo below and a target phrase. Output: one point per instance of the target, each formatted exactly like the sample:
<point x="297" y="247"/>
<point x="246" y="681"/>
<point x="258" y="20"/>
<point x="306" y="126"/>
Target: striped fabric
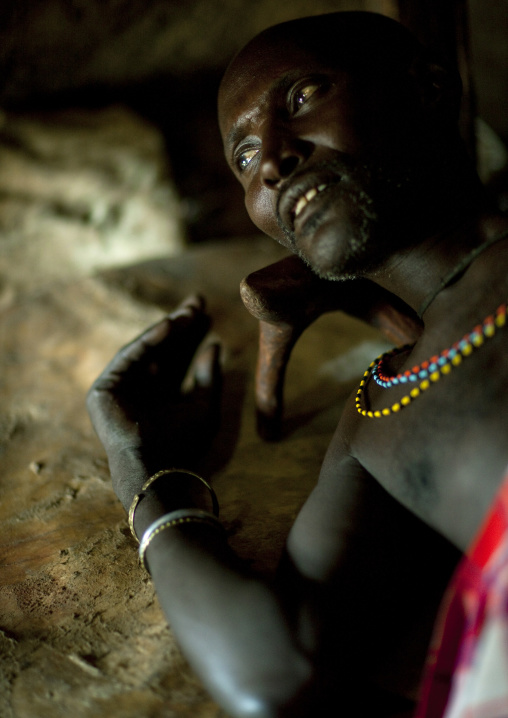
<point x="467" y="665"/>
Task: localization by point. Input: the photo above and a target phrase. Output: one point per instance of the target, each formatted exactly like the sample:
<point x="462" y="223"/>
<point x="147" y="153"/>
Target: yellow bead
<point x="460" y="349"/>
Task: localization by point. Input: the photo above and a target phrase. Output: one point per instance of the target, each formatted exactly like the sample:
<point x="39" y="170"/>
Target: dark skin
<point x="349" y="616"/>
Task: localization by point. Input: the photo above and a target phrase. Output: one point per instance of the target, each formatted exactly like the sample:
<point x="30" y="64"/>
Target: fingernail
<point x="186" y="311"/>
<point x="195" y="301"/>
<point x="157" y="331"/>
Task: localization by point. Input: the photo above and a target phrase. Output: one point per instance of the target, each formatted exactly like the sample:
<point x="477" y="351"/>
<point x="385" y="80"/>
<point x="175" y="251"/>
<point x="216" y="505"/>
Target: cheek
<point x="260" y="204"/>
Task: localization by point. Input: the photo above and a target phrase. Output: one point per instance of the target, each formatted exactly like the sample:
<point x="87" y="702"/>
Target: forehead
<point x="262" y="72"/>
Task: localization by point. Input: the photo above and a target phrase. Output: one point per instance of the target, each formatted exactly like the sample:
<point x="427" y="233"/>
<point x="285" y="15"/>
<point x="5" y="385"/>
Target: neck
<point x="418" y="274"/>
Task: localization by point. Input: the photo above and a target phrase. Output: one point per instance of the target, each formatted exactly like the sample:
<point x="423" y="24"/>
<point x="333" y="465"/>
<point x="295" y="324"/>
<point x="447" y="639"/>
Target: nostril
<point x="288" y="165"/>
<point x="276" y="171"/>
<point x="272" y="181"/>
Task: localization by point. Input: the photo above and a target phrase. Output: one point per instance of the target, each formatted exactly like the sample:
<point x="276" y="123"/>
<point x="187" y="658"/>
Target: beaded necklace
<point x="429" y="371"/>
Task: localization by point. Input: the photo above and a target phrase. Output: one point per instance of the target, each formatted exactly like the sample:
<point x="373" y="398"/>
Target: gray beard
<point x="375" y="204"/>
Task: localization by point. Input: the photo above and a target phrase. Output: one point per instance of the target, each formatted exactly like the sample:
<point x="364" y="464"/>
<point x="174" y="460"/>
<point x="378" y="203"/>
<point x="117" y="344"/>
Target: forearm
<point x="259" y="648"/>
<point x="237" y="634"/>
<point x="230" y="624"/>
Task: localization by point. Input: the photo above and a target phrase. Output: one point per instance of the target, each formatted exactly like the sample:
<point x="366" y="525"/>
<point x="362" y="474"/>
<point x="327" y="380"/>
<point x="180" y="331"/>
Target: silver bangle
<point x="137" y="498"/>
<point x="175" y="518"/>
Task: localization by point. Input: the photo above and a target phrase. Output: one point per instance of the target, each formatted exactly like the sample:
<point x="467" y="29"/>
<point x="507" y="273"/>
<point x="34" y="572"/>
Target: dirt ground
<point x="90" y="253"/>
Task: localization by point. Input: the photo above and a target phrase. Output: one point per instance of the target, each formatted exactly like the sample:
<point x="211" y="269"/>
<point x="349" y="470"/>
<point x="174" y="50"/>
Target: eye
<point x="302" y="94"/>
<point x="245" y="158"/>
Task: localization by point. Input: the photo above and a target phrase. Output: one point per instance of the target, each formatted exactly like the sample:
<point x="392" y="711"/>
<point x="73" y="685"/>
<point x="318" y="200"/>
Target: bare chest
<point x="444" y="453"/>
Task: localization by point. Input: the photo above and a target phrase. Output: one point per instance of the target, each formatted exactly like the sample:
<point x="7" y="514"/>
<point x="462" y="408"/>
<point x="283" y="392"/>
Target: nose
<point x="282" y="155"/>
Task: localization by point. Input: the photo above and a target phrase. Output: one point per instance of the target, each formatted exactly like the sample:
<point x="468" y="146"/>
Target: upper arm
<point x="374" y="574"/>
<point x="346" y="512"/>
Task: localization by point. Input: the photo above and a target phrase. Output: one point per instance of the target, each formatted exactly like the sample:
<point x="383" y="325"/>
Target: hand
<point x="145" y="415"/>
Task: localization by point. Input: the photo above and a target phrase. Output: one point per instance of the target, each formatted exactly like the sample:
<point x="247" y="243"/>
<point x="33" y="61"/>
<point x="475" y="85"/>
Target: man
<point x="343" y="135"/>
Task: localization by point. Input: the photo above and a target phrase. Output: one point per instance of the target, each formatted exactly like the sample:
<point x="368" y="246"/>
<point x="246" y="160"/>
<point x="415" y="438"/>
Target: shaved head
<point x="366" y="45"/>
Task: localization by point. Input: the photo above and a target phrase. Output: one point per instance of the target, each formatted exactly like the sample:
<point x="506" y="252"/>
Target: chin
<point x="337" y="252"/>
<point x="339" y="241"/>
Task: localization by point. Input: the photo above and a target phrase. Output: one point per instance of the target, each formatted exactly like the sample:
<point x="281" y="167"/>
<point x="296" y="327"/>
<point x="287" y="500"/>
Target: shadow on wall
<point x="164" y="58"/>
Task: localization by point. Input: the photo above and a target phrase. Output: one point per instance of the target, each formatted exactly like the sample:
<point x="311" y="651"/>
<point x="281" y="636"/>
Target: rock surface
<point x="69" y="44"/>
<point x="81" y="190"/>
<point x="81" y="630"/>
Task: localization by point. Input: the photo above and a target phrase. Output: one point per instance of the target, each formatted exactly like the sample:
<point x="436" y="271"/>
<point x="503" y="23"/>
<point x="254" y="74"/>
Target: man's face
<point x="306" y="143"/>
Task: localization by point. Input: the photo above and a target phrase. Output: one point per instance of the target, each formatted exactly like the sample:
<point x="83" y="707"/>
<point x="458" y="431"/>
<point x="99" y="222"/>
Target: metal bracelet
<point x="175" y="518"/>
<point x="137" y="498"/>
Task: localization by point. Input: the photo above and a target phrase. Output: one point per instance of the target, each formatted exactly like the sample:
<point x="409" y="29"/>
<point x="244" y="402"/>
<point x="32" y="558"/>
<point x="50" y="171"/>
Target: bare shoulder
<point x="349" y="516"/>
<point x="443" y="455"/>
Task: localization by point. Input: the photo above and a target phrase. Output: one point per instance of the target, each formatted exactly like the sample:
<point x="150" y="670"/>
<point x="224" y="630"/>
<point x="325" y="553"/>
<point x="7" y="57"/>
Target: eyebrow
<point x="281" y="84"/>
<point x="235" y="134"/>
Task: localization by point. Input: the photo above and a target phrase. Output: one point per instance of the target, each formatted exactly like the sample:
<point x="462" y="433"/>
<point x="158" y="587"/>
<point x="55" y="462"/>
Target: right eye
<point x="301" y="96"/>
<point x="245" y="158"/>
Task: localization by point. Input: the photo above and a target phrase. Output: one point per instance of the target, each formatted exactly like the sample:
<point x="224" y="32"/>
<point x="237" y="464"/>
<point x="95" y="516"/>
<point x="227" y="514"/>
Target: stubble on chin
<point x="338" y="249"/>
<point x="372" y="223"/>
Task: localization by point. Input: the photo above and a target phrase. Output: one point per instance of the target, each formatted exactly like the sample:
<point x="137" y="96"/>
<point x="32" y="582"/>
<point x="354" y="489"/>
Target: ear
<point x="439" y="88"/>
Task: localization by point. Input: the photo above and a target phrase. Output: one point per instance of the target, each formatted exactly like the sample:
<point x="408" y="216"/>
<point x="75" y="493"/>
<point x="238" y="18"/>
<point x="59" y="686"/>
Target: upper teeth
<point x="306" y="198"/>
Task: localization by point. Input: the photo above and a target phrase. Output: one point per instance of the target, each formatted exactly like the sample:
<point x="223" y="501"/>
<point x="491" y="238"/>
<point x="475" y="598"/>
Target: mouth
<point x="304" y="199"/>
<point x="294" y="199"/>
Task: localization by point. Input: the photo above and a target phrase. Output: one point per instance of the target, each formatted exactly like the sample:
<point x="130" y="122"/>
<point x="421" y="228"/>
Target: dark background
<point x="164" y="58"/>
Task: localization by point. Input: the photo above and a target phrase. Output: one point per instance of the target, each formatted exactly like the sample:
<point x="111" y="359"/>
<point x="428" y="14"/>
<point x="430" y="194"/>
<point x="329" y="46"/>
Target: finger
<point x="190" y="313"/>
<point x="207" y="380"/>
<point x="169" y="344"/>
<point x="207" y="369"/>
<point x="191" y="309"/>
<point x="197" y="301"/>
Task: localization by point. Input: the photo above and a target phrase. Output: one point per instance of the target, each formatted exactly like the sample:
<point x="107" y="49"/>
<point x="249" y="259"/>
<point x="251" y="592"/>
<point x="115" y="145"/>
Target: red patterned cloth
<point x="467" y="665"/>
